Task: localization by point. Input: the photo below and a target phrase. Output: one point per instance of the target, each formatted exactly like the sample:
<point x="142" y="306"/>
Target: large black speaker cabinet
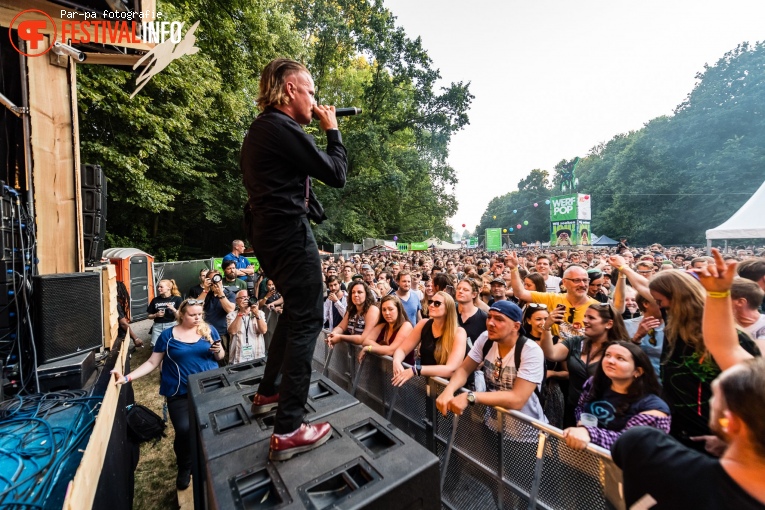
<point x="93" y="188"/>
<point x="368" y="462"/>
<point x="67" y="309"/>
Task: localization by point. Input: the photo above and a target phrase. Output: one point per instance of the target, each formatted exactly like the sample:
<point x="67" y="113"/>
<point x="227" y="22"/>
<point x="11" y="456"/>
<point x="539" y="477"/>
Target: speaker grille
<point x="68" y="308"/>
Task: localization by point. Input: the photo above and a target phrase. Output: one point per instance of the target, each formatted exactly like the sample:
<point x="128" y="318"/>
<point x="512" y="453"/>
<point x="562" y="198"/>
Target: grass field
<point x="155" y="475"/>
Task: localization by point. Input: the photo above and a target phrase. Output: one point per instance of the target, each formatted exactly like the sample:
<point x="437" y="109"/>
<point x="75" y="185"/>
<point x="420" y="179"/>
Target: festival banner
<point x="583" y="232"/>
<point x="493" y="239"/>
<point x="563" y="233"/>
<point x="563" y="208"/>
<point x="419" y="246"/>
<point x="403" y="247"/>
<point x="472" y="242"/>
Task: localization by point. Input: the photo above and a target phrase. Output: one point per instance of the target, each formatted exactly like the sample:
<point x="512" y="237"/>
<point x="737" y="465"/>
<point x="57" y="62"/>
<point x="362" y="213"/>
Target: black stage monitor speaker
<point x="68" y="309"/>
<point x="368" y="462"/>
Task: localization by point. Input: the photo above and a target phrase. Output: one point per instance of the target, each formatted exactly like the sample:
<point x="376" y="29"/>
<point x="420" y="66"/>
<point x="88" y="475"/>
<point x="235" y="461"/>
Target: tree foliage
<point x="679" y="175"/>
<point x="171" y="153"/>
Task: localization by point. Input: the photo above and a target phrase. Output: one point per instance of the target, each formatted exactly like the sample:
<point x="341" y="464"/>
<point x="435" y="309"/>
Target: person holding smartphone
<point x="246" y="327"/>
<point x="190" y="346"/>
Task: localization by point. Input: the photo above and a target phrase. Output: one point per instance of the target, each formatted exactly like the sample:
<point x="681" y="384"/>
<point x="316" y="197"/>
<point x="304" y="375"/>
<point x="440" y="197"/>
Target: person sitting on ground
<point x="658" y="469"/>
<point x="361" y="316"/>
<point x="507" y="385"/>
<point x="246" y="327"/>
<point x="442" y="343"/>
<point x="582" y="353"/>
<point x="390" y="331"/>
<point x="575" y="301"/>
<point x="623" y="393"/>
<point x="746" y="297"/>
<point x="163" y="307"/>
<point x="190" y="346"/>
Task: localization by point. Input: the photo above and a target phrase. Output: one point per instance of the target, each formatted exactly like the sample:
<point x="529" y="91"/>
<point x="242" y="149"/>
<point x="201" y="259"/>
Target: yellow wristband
<point x="369" y="348"/>
<point x="719" y="295"/>
<point x="620" y="268"/>
<point x="514" y="268"/>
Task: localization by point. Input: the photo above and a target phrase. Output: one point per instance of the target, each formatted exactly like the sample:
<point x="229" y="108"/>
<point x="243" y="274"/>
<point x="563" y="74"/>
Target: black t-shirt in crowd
<point x="608" y="407"/>
<point x="656" y="465"/>
<point x="474" y="326"/>
<point x="160" y="303"/>
<point x="195" y="291"/>
<point x="686" y="382"/>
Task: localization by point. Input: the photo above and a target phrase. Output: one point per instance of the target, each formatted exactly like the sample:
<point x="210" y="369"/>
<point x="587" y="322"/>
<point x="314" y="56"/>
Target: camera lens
<point x="216" y="278"/>
<point x="252" y="301"/>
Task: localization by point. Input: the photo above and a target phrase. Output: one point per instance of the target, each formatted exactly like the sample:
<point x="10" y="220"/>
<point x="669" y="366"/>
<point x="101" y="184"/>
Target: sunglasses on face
<point x="191" y="302"/>
<point x="540" y="306"/>
<point x="434" y="303"/>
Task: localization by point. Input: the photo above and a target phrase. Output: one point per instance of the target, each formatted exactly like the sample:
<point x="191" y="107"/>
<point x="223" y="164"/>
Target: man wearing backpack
<point x="513" y="368"/>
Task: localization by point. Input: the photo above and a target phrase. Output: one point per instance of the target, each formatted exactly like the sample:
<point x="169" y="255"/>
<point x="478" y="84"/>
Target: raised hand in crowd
<point x="511" y="259"/>
<point x="718" y="325"/>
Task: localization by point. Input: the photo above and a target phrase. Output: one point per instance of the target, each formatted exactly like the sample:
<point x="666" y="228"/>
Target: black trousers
<point x="288" y="253"/>
<point x="178" y="408"/>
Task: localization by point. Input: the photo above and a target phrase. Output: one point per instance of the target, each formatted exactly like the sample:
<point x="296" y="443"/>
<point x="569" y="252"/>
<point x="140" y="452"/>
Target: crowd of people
<point x="569" y="336"/>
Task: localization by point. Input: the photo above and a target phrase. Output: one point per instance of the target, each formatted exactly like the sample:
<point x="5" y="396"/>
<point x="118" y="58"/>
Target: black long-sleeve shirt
<point x="276" y="157"/>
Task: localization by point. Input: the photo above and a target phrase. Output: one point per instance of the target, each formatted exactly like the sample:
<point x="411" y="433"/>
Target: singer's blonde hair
<point x="274" y="78"/>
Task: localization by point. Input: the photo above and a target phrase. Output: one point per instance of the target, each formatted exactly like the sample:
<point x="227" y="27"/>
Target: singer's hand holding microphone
<point x="327" y="115"/>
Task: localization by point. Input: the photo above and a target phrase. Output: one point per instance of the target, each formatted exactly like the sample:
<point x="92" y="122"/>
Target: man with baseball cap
<point x="508" y="384"/>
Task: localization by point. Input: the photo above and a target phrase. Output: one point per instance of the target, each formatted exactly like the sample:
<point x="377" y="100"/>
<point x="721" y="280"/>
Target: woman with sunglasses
<point x="190" y="346"/>
<point x="360" y="319"/>
<point x="582" y="353"/>
<point x="556" y="376"/>
<point x="391" y="330"/>
<point x="623" y="393"/>
<point x="442" y="343"/>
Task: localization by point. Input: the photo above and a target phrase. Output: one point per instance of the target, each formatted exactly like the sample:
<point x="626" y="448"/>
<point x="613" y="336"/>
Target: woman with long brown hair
<point x="687" y="367"/>
<point x="391" y="330"/>
<point x="602" y="324"/>
<point x="442" y="343"/>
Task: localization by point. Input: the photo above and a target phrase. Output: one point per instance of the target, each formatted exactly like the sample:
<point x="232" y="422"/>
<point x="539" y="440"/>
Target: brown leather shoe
<point x="262" y="404"/>
<point x="306" y="438"/>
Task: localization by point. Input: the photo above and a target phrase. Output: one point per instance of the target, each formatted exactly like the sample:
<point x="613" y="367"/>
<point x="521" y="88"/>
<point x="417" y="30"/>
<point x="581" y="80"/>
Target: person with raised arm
<point x="660" y="473"/>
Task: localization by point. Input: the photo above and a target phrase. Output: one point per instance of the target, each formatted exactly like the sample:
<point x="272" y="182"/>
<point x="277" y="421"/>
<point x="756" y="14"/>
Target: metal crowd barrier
<point x="490" y="457"/>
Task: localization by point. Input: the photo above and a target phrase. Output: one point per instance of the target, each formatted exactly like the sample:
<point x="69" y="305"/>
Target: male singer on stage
<point x="278" y="159"/>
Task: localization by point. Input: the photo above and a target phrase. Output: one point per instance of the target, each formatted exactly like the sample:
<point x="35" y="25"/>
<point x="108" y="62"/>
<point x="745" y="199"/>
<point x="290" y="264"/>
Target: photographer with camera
<point x="219" y="302"/>
<point x="246" y="327"/>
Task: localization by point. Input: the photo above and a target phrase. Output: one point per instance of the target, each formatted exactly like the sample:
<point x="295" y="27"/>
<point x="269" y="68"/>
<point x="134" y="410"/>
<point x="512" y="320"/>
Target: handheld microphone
<point x="345" y="112"/>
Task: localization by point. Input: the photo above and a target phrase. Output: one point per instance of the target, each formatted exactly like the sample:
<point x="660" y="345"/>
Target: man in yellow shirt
<point x="575" y="300"/>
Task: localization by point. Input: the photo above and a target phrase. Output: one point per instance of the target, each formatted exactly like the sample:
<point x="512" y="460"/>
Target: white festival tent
<point x="747" y="223"/>
<point x="437" y="243"/>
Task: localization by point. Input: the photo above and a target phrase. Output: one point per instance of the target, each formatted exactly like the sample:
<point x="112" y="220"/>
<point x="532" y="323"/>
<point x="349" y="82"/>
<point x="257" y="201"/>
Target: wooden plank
<point x="82" y="489"/>
<point x="53" y="166"/>
<point x="112" y="59"/>
<point x="80" y="239"/>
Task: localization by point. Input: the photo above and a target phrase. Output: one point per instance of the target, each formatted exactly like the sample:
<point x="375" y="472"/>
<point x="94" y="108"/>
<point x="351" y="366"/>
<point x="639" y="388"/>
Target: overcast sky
<point x="553" y="78"/>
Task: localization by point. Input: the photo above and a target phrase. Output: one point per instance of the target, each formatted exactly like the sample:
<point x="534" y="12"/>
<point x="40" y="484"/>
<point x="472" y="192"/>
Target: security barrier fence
<point x="490" y="457"/>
